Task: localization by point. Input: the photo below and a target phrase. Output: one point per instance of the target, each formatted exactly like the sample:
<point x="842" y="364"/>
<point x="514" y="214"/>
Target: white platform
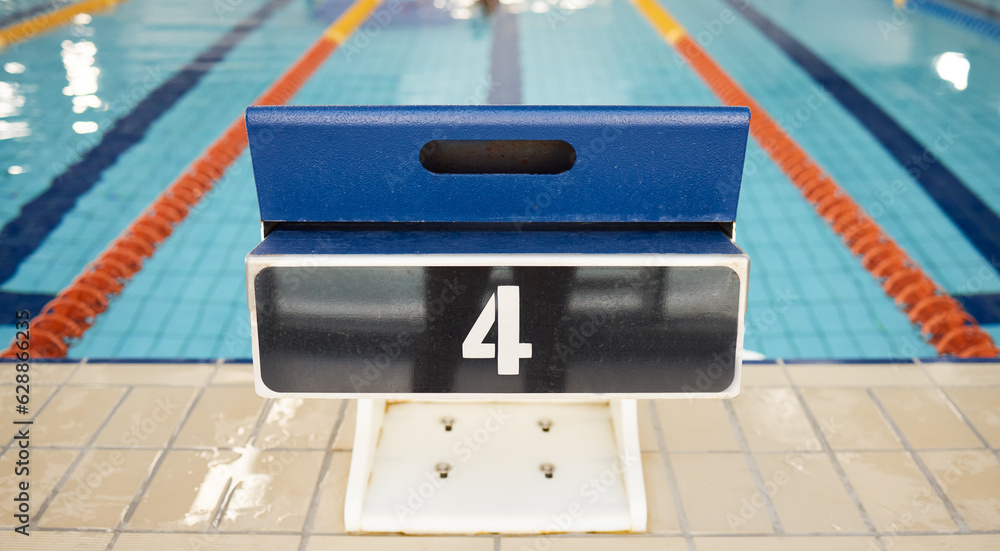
<point x="494" y="482"/>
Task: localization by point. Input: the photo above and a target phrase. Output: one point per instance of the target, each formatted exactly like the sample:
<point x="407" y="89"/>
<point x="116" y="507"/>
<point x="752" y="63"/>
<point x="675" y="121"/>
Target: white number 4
<point x="505" y="306"/>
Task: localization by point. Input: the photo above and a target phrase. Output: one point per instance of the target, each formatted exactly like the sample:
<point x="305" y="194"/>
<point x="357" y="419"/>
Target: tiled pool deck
<point x="186" y="456"/>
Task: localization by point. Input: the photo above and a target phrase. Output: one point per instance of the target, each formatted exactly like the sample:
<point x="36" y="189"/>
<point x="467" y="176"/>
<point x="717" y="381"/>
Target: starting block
<point x="497" y="285"/>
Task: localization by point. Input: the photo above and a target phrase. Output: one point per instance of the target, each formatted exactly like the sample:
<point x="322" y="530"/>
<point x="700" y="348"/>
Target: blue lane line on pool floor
<point x="22" y="236"/>
<point x="17" y="17"/>
<point x="988" y="12"/>
<point x="985" y="308"/>
<point x="976" y="23"/>
<point x="965" y="209"/>
<point x="505" y="59"/>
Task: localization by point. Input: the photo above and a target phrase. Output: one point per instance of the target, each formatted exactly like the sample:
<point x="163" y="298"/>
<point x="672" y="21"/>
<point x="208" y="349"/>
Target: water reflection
<point x="81" y="74"/>
<point x="953" y="67"/>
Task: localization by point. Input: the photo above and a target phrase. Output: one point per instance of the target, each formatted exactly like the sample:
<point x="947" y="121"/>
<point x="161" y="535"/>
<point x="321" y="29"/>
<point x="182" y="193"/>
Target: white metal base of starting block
<point x="499" y="467"/>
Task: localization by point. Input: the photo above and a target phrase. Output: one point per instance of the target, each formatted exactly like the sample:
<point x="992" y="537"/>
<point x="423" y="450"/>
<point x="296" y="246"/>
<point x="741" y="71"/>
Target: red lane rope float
<point x="76" y="307"/>
<point x="941" y="318"/>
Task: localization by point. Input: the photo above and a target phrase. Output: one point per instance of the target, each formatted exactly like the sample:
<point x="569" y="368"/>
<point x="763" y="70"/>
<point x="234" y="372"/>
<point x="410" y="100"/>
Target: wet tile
<point x="234" y="374"/>
<point x="298" y="423"/>
<point x="894" y="492"/>
<point x="37" y="395"/>
<point x="696" y="425"/>
<point x="593" y="543"/>
<point x="719" y="494"/>
<point x="855" y="375"/>
<point x="400" y="543"/>
<point x="74" y="414"/>
<point x="142" y="374"/>
<point x="763" y="375"/>
<point x="272" y="490"/>
<point x="345" y="434"/>
<point x="224" y="417"/>
<point x="808" y="494"/>
<point x="185" y="492"/>
<point x="964" y="374"/>
<point x="661" y="513"/>
<point x="46" y="467"/>
<point x="330" y="511"/>
<point x="966" y="542"/>
<point x="786" y="544"/>
<point x="99" y="490"/>
<point x="49" y="540"/>
<point x="925" y="419"/>
<point x="647" y="434"/>
<point x="773" y="420"/>
<point x="971" y="480"/>
<point x="849" y="419"/>
<point x="212" y="541"/>
<point x="981" y="407"/>
<point x="147" y="417"/>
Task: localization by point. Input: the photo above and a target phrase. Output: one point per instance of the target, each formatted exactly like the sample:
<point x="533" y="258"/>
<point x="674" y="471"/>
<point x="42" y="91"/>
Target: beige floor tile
<point x="719" y="494"/>
<point x="99" y="490"/>
<point x="808" y="494"/>
<point x="37" y="395"/>
<point x="963" y="374"/>
<point x="593" y="543"/>
<point x="773" y="420"/>
<point x="345" y="434"/>
<point x="330" y="511"/>
<point x="838" y="543"/>
<point x="147" y="417"/>
<point x="852" y="375"/>
<point x="45" y="373"/>
<point x="142" y="374"/>
<point x="53" y="540"/>
<point x="234" y="374"/>
<point x="966" y="542"/>
<point x="971" y="480"/>
<point x="73" y="415"/>
<point x="224" y="416"/>
<point x="185" y="492"/>
<point x="661" y="513"/>
<point x="849" y="419"/>
<point x="272" y="490"/>
<point x="298" y="423"/>
<point x="763" y="375"/>
<point x="400" y="543"/>
<point x="925" y="419"/>
<point x="647" y="434"/>
<point x="212" y="541"/>
<point x="894" y="492"/>
<point x="46" y="467"/>
<point x="696" y="425"/>
<point x="981" y="406"/>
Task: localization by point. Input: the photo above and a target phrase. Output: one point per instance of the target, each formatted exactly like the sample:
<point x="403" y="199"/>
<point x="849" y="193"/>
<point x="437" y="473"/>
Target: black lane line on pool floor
<point x="22" y="236"/>
<point x="973" y="217"/>
<point x="505" y="59"/>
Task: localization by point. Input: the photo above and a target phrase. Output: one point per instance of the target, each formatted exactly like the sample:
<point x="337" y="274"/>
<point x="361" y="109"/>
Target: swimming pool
<point x="98" y="116"/>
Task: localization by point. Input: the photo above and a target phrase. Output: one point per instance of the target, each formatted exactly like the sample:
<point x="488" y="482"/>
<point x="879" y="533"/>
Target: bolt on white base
<point x="498" y="467"/>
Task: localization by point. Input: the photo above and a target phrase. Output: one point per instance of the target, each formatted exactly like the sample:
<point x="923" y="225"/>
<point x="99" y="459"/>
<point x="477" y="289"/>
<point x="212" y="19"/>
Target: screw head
<point x="546" y="424"/>
<point x="548" y="469"/>
<point x="448" y="422"/>
<point x="442" y="469"/>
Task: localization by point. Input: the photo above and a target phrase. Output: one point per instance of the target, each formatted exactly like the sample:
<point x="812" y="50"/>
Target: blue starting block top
<point x="394" y="261"/>
<point x="497" y="163"/>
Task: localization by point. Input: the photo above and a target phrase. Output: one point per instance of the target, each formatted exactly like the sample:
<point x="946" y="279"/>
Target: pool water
<point x="98" y="116"/>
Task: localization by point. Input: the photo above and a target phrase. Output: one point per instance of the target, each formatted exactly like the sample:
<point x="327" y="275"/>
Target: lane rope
<point x="76" y="307"/>
<point x="33" y="26"/>
<point x="942" y="319"/>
